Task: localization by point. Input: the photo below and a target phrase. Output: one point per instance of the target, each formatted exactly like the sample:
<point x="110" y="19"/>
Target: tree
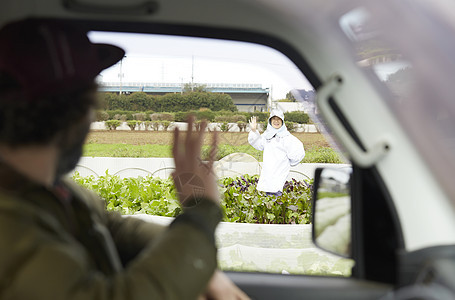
<point x="172" y="102"/>
<point x="110" y="101"/>
<point x="139" y="101"/>
<point x="191" y="87"/>
<point x="132" y="124"/>
<point x="194" y="101"/>
<point x="290" y="97"/>
<point x="112" y="124"/>
<point x="298" y="117"/>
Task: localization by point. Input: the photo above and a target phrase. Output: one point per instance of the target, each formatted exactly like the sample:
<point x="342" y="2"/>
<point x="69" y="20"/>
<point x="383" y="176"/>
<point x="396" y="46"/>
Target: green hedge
<point x="297" y="117"/>
<point x="173" y="102"/>
<point x="204" y="105"/>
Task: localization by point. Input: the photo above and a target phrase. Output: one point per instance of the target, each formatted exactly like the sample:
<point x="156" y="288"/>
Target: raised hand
<point x="194" y="178"/>
<point x="253" y="124"/>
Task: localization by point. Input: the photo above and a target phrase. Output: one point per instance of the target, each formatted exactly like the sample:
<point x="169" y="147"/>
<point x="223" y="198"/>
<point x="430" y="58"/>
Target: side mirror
<point x="332" y="210"/>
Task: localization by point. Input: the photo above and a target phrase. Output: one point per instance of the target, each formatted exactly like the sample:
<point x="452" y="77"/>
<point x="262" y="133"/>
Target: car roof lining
<point x="205" y="32"/>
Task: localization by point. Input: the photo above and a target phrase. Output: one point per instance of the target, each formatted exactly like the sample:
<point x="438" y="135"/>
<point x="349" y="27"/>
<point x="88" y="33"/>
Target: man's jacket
<point x="61" y="243"/>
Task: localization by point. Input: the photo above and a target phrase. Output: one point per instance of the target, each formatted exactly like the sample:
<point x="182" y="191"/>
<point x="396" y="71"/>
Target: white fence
<point x="163" y="167"/>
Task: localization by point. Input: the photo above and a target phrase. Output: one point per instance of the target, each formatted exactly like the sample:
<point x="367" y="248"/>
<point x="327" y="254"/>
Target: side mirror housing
<point x="332" y="210"/>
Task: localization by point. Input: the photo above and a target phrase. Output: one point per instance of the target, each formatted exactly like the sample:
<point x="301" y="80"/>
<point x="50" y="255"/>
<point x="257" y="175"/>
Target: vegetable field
<point x="241" y="201"/>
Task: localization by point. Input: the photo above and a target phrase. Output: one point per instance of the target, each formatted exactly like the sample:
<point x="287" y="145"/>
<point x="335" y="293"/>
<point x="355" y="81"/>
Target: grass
<point x="125" y="150"/>
<point x="158" y="144"/>
<point x="313" y="155"/>
<point x="322" y="155"/>
<point x="165" y="138"/>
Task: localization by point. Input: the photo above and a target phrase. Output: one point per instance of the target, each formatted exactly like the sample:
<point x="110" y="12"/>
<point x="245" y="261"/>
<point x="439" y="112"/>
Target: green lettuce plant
<point x="241" y="201"/>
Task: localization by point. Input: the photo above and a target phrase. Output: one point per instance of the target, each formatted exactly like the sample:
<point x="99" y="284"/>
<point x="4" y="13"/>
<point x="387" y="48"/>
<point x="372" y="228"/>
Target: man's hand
<point x="194" y="178"/>
<point x="222" y="288"/>
<point x="253" y="124"/>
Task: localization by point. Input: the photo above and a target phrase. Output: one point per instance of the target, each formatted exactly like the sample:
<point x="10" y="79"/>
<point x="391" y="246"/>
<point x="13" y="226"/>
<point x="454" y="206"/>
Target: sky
<point x="168" y="59"/>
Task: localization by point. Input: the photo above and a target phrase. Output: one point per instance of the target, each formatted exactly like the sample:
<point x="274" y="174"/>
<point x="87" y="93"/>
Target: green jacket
<point x="63" y="244"/>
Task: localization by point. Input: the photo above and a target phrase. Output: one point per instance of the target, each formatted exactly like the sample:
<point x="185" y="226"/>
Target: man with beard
<point x="56" y="239"/>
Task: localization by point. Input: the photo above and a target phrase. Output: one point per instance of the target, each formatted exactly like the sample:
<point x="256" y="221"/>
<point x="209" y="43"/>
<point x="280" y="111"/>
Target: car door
<point x="260" y="284"/>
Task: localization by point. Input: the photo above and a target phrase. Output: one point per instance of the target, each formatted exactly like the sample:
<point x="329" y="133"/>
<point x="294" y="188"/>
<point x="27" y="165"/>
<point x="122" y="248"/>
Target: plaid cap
<point x="50" y="57"/>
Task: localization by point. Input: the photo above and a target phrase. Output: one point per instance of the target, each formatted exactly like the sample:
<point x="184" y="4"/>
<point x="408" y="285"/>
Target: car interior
<point x="391" y="260"/>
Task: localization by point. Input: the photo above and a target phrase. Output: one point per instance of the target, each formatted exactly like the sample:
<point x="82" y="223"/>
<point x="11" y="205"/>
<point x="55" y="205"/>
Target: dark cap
<point x="49" y="57"/>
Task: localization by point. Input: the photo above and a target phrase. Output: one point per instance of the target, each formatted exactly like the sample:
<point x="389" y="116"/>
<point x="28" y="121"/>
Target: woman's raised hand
<point x="253" y="124"/>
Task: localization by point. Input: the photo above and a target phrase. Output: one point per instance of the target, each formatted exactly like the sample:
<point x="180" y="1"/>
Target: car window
<point x="160" y="80"/>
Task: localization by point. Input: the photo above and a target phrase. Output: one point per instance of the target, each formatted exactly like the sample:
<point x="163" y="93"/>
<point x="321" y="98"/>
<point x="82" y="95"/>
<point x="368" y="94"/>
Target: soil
<point x="165" y="138"/>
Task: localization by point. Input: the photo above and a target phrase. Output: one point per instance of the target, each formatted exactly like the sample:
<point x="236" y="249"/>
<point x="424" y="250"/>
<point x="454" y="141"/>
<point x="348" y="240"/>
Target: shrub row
<point x="164" y="125"/>
<point x="134" y="124"/>
<point x="222" y="116"/>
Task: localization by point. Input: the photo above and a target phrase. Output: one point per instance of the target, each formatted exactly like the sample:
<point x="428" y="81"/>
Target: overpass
<point x="247" y="97"/>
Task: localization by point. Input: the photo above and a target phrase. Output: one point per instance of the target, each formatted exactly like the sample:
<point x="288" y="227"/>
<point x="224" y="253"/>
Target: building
<point x="246" y="97"/>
